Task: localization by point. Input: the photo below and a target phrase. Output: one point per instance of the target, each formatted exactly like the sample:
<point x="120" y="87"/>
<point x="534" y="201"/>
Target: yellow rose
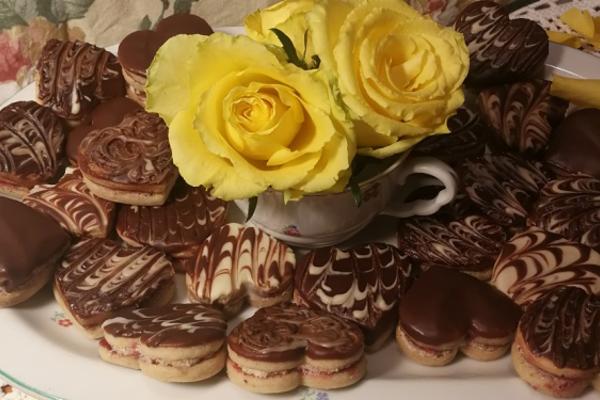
<point x="241" y="121"/>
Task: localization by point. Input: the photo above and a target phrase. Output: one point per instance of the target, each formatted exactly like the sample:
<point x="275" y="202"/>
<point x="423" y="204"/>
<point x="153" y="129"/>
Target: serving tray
<point x="43" y="353"/>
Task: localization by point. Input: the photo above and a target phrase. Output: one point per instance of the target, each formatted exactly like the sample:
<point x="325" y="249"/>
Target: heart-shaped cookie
<point x="129" y="163"/>
<point x="285" y="346"/>
<point x="502" y="50"/>
<point x="446" y="311"/>
<point x="522" y="115"/>
<point x="362" y="284"/>
<point x="172" y="343"/>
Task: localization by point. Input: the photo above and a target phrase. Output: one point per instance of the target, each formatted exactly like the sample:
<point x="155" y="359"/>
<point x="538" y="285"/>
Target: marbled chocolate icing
<point x="32" y="141"/>
<point x="173" y="325"/>
<point x="570" y="207"/>
<point x="502" y="50"/>
<point x="362" y="284"/>
<point x="181" y="224"/>
<point x="28" y="240"/>
<point x="286" y="332"/>
<point x="99" y="277"/>
<point x="73" y="206"/>
<point x="535" y="262"/>
<point x="445" y="307"/>
<point x="564" y="327"/>
<point x="469" y="244"/>
<point x="236" y="257"/>
<point x="522" y="115"/>
<point x="575" y="144"/>
<point x="504" y="186"/>
<point x="74" y="76"/>
<point x="134" y="152"/>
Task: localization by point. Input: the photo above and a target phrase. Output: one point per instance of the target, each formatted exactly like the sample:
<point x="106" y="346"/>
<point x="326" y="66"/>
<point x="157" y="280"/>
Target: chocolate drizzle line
<point x="174" y="325"/>
<point x="74" y="76"/>
<point x="564" y="326"/>
<point x="99" y="277"/>
<point x="237" y="256"/>
<point x="32" y="140"/>
<point x="362" y="284"/>
<point x="285" y="332"/>
<point x="535" y="262"/>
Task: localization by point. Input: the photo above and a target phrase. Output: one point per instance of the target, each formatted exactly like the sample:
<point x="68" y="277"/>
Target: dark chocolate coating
<point x="108" y="113"/>
<point x="469" y="244"/>
<point x="32" y="140"/>
<point x="575" y="144"/>
<point x="445" y="307"/>
<point x="74" y="76"/>
<point x="137" y="49"/>
<point x="173" y="325"/>
<point x="522" y="115"/>
<point x="504" y="186"/>
<point x="28" y="241"/>
<point x="564" y="327"/>
<point x="570" y="207"/>
<point x="182" y="223"/>
<point x="285" y="332"/>
<point x="361" y="284"/>
<point x="501" y="50"/>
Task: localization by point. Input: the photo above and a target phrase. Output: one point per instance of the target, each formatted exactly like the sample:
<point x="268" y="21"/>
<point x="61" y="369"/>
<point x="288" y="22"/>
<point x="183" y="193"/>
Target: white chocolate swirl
<point x="237" y="258"/>
<point x="534" y="262"/>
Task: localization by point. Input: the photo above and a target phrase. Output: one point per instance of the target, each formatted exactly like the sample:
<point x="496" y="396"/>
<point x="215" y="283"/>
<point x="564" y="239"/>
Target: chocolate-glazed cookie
<point x="522" y="115"/>
<point x="535" y="262"/>
<point x="284" y="346"/>
<point x="557" y="349"/>
<point x="445" y="311"/>
<point x="173" y="343"/>
<point x="31" y="245"/>
<point x="238" y="263"/>
<point x="130" y="163"/>
<point x="32" y="140"/>
<point x="362" y="284"/>
<point x="99" y="277"/>
<point x="570" y="207"/>
<point x="504" y="186"/>
<point x="72" y="77"/>
<point x="178" y="227"/>
<point x="470" y="244"/>
<point x="502" y="50"/>
<point x="73" y="206"/>
<point x="575" y="144"/>
<point x="108" y="113"/>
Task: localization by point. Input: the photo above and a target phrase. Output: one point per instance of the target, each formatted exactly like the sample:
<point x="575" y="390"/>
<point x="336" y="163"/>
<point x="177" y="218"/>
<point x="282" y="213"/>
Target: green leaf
<point x="252" y="202"/>
<point x="59" y="11"/>
<point x="289" y="48"/>
<point x="145" y="24"/>
<point x="356" y="193"/>
<point x="183" y="6"/>
<point x="16" y="12"/>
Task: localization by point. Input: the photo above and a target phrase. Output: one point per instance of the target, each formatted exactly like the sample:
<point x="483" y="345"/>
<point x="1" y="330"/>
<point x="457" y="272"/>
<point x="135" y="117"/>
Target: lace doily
<point x="547" y="13"/>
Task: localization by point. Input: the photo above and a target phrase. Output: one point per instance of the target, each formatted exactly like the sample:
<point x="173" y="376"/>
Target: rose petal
<point x="583" y="92"/>
<point x="580" y="21"/>
<point x="566" y="39"/>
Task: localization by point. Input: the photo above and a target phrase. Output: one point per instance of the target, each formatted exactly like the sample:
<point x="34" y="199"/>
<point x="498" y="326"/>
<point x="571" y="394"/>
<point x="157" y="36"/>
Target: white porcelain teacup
<point x="325" y="219"/>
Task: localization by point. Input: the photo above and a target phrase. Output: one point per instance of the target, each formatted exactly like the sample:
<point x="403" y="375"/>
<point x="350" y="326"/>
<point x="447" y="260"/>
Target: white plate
<point x="46" y="357"/>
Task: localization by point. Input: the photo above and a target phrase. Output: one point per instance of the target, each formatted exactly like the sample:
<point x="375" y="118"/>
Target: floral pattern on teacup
<point x="61" y="319"/>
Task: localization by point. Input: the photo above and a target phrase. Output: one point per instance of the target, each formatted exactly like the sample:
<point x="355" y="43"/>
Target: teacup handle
<point x="437" y="169"/>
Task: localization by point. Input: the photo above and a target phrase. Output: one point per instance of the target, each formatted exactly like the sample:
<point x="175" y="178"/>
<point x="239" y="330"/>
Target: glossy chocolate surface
<point x="575" y="144"/>
<point x="502" y="50"/>
<point x="564" y="327"/>
<point x="173" y="325"/>
<point x="28" y="241"/>
<point x="535" y="262"/>
<point x="522" y="115"/>
<point x="74" y="76"/>
<point x="32" y="140"/>
<point x="286" y="332"/>
<point x="445" y="306"/>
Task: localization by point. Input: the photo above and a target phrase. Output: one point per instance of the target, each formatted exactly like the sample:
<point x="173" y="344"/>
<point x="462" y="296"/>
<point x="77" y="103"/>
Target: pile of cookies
<point x="97" y="208"/>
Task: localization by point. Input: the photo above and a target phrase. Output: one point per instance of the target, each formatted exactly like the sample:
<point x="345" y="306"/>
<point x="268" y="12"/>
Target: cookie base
<point x="26" y="291"/>
<point x="132" y="197"/>
<point x="420" y="355"/>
